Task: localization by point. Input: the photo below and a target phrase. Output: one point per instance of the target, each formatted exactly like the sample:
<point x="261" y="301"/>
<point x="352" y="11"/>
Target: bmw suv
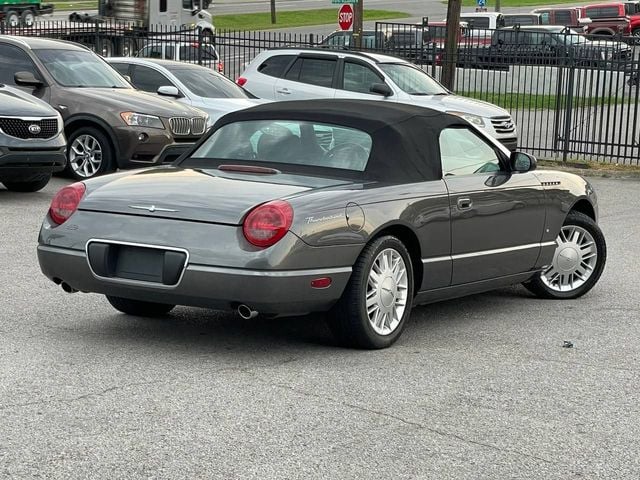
<point x="108" y="123"/>
<point x="32" y="144"/>
<point x="298" y="74"/>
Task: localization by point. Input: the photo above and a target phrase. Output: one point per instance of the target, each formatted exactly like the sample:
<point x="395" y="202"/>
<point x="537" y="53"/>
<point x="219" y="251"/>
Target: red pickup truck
<point x="610" y="19"/>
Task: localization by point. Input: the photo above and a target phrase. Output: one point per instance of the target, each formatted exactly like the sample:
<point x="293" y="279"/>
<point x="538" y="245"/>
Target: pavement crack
<point x="79" y="397"/>
<point x="414" y="424"/>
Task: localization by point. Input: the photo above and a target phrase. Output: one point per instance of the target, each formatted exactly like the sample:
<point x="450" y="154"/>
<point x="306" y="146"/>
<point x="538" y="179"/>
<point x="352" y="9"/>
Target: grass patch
<point x="74" y="6"/>
<point x="294" y="18"/>
<point x="528" y="101"/>
<point x="586" y="167"/>
<point x="516" y="3"/>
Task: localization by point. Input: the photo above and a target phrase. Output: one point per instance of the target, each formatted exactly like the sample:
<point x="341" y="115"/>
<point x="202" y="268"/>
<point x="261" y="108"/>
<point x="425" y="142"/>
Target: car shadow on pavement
<point x="201" y="328"/>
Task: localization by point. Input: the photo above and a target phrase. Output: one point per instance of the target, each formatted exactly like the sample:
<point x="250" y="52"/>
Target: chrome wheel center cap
<point x="387" y="292"/>
<point x="568" y="259"/>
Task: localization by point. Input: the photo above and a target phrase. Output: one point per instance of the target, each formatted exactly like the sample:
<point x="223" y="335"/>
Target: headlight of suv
<point x="141" y="120"/>
<point x="470" y="117"/>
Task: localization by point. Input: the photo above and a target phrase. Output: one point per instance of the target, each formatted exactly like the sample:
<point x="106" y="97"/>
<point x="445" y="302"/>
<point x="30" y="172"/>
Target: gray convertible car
<point x="361" y="209"/>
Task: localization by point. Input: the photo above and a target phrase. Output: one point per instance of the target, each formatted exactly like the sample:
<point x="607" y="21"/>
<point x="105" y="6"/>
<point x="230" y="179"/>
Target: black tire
<point x="349" y="320"/>
<point x="138" y="307"/>
<point x="29" y="186"/>
<point x="107" y="155"/>
<point x="12" y="19"/>
<point x="27" y="18"/>
<point x="538" y="287"/>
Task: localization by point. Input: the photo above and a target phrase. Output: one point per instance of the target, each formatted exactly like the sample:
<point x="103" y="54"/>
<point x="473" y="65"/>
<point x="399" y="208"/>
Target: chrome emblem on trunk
<point x="152" y="208"/>
<point x="34" y="129"/>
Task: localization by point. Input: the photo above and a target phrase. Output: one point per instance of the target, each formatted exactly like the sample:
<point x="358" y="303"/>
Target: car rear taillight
<point x="241" y="81"/>
<point x="220" y="67"/>
<point x="266" y="224"/>
<point x="66" y="202"/>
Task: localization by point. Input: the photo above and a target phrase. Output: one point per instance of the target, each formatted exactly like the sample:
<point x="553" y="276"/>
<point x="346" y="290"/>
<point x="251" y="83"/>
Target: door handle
<point x="464" y="203"/>
<point x="284" y="91"/>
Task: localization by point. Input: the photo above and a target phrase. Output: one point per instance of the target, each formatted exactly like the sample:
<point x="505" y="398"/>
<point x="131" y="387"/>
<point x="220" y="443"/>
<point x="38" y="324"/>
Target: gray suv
<point x="108" y="123"/>
<point x="32" y="143"/>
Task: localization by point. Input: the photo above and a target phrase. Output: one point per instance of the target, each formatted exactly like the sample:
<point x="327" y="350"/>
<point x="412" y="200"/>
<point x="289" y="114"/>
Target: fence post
<point x="434" y="59"/>
<point x="200" y="45"/>
<point x="569" y="105"/>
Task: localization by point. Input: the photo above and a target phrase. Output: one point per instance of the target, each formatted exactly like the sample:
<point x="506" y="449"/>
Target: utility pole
<point x="497" y="5"/>
<point x="451" y="44"/>
<point x="358" y="16"/>
<point x="273" y="11"/>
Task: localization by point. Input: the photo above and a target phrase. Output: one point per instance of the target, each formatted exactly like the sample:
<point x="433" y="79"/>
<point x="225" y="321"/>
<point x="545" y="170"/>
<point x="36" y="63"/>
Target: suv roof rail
<point x="337" y="48"/>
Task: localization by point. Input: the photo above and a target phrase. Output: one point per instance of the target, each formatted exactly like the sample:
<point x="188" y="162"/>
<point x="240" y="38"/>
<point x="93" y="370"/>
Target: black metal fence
<point x="571" y="97"/>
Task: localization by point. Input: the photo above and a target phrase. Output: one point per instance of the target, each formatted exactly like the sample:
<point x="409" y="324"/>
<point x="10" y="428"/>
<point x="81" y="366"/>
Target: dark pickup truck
<point x="549" y="45"/>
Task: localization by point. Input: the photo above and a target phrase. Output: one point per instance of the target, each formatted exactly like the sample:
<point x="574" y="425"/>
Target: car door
<point x="310" y="76"/>
<point x="497" y="217"/>
<point x="355" y="79"/>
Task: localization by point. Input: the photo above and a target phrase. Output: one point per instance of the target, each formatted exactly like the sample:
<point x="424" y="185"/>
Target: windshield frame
<point x="42" y="55"/>
<point x="440" y="89"/>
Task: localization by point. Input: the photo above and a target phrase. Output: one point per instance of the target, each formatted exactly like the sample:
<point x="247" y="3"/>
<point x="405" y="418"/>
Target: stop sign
<point x="345" y="17"/>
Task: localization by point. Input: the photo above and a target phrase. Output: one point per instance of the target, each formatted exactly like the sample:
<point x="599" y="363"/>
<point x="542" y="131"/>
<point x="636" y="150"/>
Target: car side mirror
<point x="169" y="91"/>
<point x="521" y="162"/>
<point x="381" y="89"/>
<point x="26" y="79"/>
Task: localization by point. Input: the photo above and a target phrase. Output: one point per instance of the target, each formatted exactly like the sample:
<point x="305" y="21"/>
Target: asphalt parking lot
<point x="479" y="387"/>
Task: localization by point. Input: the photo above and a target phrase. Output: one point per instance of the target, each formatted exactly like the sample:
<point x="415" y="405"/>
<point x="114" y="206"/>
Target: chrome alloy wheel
<point x="85" y="156"/>
<point x="574" y="260"/>
<point x="387" y="288"/>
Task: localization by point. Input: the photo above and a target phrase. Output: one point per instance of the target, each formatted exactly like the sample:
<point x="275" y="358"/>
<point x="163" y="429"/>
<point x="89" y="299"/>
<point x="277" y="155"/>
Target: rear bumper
<point x="278" y="292"/>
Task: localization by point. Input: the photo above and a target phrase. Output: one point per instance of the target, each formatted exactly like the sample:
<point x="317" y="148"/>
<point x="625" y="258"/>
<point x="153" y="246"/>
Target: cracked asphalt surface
<point x="475" y="388"/>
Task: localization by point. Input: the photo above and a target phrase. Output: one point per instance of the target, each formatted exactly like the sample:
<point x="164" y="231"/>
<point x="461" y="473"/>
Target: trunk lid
<point x="208" y="196"/>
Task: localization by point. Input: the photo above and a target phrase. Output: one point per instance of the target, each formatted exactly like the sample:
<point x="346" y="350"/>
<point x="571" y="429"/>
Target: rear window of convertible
<point x="289" y="142"/>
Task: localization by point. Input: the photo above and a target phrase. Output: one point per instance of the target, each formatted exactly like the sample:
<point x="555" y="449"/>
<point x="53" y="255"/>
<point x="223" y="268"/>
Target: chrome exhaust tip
<point x="245" y="312"/>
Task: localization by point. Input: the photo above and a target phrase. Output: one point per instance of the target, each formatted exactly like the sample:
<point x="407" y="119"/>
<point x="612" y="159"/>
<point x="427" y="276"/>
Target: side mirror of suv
<point x="522" y="162"/>
<point x="381" y="89"/>
<point x="26" y="79"/>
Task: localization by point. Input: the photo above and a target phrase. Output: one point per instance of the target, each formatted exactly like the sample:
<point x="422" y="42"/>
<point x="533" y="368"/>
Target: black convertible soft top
<point x="405" y="144"/>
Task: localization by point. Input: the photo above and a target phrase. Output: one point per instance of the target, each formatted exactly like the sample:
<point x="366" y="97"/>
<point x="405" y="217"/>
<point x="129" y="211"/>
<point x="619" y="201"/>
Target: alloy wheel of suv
<point x="89" y="153"/>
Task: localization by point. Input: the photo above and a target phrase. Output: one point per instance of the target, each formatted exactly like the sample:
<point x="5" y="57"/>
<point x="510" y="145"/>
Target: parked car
<point x="108" y="123"/>
<point x="512" y="19"/>
<point x="189" y="52"/>
<point x="610" y="19"/>
<point x="408" y="206"/>
<point x="572" y="17"/>
<point x="190" y="84"/>
<point x="298" y="74"/>
<point x="551" y="45"/>
<point x="32" y="143"/>
<point x="344" y="39"/>
<point x="483" y="20"/>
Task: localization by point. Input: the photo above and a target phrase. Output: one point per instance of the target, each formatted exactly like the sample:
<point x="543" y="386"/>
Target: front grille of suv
<point x="187" y="126"/>
<point x="27" y="129"/>
<point x="503" y="124"/>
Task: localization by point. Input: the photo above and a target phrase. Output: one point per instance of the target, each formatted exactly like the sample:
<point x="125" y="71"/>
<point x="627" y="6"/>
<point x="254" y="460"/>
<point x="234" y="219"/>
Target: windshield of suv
<point x="412" y="80"/>
<point x="80" y="68"/>
<point x="207" y="84"/>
